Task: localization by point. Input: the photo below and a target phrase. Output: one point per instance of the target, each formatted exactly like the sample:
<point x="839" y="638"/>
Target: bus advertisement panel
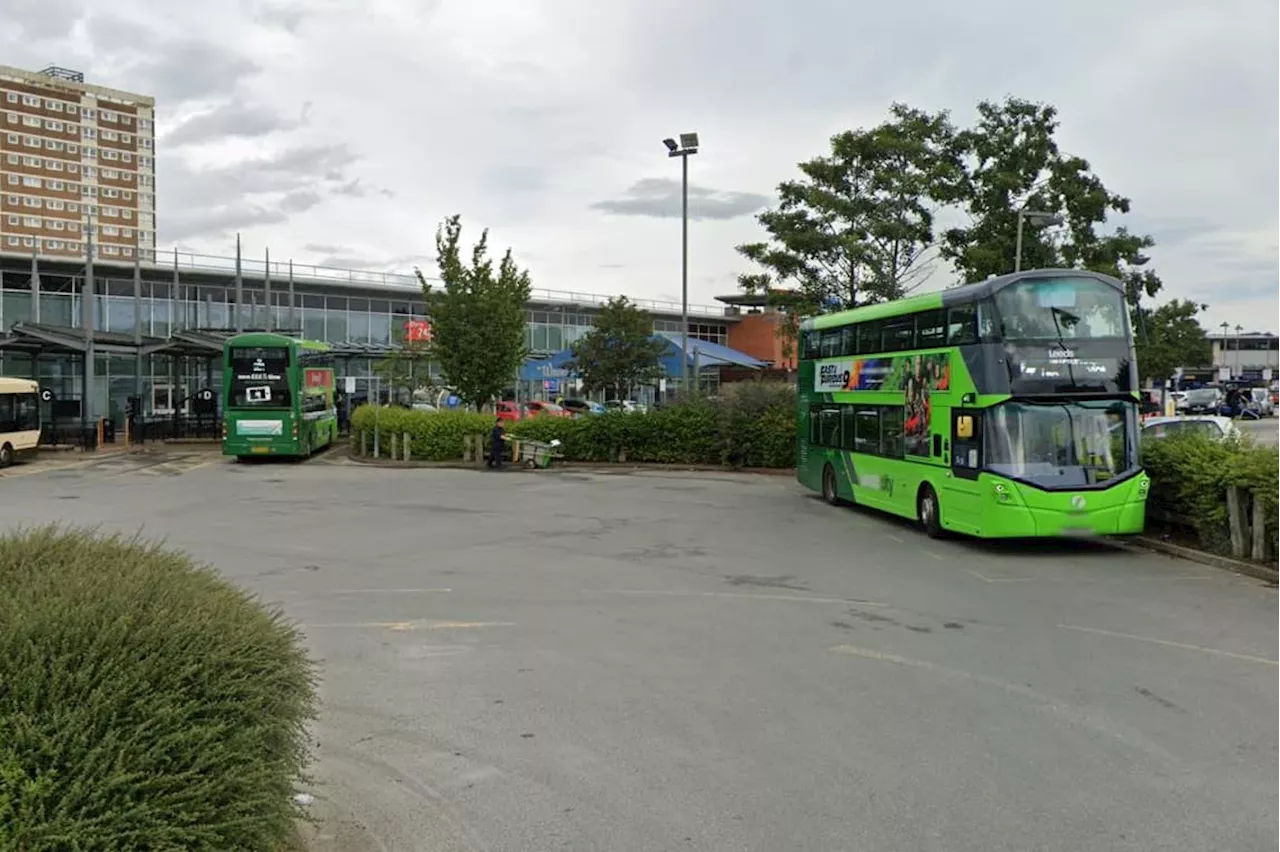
<point x="1001" y="409"/>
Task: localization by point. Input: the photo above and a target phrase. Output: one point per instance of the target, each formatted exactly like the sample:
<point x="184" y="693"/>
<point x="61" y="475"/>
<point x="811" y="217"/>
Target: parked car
<point x="626" y="405"/>
<point x="1210" y="426"/>
<point x="581" y="407"/>
<point x="508" y="412"/>
<point x="538" y="408"/>
<point x="1261" y="402"/>
<point x="1203" y="401"/>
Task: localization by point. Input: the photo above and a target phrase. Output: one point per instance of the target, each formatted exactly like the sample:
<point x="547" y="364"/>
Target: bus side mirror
<point x="964" y="426"/>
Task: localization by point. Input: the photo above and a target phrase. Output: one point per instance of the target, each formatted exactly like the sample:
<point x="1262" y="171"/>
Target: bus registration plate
<point x="260" y="449"/>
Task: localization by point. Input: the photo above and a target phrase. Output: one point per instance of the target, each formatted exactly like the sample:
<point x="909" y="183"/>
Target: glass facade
<point x="368" y="318"/>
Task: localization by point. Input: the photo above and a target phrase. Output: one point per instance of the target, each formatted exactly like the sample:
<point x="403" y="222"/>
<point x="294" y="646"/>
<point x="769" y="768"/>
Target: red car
<point x="545" y="409"/>
<point x="508" y="412"/>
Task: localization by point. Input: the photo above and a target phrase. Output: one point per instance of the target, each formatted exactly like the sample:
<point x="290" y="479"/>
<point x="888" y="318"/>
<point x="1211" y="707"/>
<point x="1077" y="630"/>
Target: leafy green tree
<point x="1168" y="337"/>
<point x="406" y="368"/>
<point x="1011" y="162"/>
<point x="620" y="352"/>
<point x="477" y="316"/>
<point x="858" y="227"/>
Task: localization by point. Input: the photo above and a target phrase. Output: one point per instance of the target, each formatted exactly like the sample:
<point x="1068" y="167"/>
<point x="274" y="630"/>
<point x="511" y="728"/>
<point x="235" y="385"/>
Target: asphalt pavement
<point x="586" y="661"/>
<point x="1265" y="431"/>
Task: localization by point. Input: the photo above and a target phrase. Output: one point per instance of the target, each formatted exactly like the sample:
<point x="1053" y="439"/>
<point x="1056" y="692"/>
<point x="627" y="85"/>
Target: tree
<point x="1173" y="338"/>
<point x="477" y="317"/>
<point x="858" y="228"/>
<point x="620" y="352"/>
<point x="1011" y="162"/>
<point x="407" y="367"/>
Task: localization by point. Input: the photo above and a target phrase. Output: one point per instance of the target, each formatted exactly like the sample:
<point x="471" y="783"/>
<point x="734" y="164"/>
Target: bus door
<point x="965" y="504"/>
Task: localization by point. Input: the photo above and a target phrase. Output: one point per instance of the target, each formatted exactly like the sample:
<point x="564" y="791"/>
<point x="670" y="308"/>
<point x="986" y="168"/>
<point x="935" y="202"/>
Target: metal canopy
<point x="57" y="338"/>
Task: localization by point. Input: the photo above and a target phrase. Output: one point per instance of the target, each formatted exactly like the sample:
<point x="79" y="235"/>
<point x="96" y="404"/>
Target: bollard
<point x="364" y="443"/>
<point x="466" y="448"/>
<point x="404" y="447"/>
<point x="480" y="450"/>
<point x="395" y="446"/>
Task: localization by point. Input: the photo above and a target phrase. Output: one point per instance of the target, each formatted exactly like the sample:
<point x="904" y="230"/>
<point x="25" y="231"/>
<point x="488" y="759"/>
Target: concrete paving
<point x="709" y="662"/>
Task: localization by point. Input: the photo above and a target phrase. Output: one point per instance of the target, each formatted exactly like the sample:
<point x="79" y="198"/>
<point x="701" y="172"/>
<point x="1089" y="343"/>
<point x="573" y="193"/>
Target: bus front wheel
<point x="928" y="512"/>
<point x="6" y="455"/>
<point x="830" y="492"/>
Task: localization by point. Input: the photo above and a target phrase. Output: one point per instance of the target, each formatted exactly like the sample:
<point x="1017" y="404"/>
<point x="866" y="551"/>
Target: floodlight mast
<point x="686" y="148"/>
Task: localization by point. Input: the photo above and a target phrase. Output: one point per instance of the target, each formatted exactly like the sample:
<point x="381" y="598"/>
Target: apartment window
<point x="35" y="182"/>
<point x="53" y="144"/>
<point x="13" y="159"/>
<point x="111" y="250"/>
<point x="29" y="242"/>
<point x="31" y="100"/>
<point x="53" y="244"/>
<point x="107" y="115"/>
<point x="31" y="141"/>
<point x="13" y="178"/>
<point x="110" y="211"/>
<point x="89" y="190"/>
<point x="73" y="148"/>
<point x="30" y="121"/>
<point x="12" y="117"/>
<point x="90" y="133"/>
<point x="13" y="138"/>
<point x="128" y="232"/>
<point x="57" y="224"/>
<point x="31" y="221"/>
<point x="128" y="196"/>
<point x="72" y="206"/>
<point x="14" y="199"/>
<point x="126" y="138"/>
<point x="144" y="123"/>
<point x="146" y="143"/>
<point x="54" y="204"/>
<point x="110" y="135"/>
<point x="91" y="153"/>
<point x="13" y="220"/>
<point x="127" y="119"/>
<point x="32" y="202"/>
<point x="109" y="192"/>
<point x="13" y="241"/>
<point x="128" y="158"/>
<point x="56" y="106"/>
<point x="128" y="214"/>
<point x="57" y="184"/>
<point x="93" y="210"/>
<point x="73" y="226"/>
<point x="13" y="97"/>
<point x="145" y="180"/>
<point x="53" y="166"/>
<point x="53" y="125"/>
<point x="110" y="230"/>
<point x="73" y="168"/>
<point x="31" y="161"/>
<point x="72" y="109"/>
<point x="90" y="171"/>
<point x="109" y="155"/>
<point x="110" y="174"/>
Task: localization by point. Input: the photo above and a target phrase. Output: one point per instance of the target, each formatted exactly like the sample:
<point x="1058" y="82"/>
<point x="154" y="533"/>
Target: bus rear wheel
<point x="928" y="513"/>
<point x="830" y="491"/>
<point x="6" y="455"/>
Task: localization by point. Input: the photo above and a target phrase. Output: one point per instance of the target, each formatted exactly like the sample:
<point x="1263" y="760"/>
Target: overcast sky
<point x="341" y="132"/>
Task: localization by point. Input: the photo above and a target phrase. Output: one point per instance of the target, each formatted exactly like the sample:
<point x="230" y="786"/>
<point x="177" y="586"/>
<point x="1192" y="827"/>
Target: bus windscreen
<point x="259" y="377"/>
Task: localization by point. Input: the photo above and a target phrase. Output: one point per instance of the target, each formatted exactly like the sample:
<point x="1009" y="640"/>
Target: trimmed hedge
<point x="145" y="703"/>
<point x="752" y="424"/>
<point x="433" y="435"/>
<point x="1189" y="479"/>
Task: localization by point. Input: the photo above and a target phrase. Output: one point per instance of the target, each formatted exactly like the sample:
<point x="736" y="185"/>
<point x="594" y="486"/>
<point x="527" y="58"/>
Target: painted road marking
<point x="984" y="578"/>
<point x="405" y="626"/>
<point x="1183" y="645"/>
<point x="747" y="595"/>
<point x="936" y="556"/>
<point x="898" y="539"/>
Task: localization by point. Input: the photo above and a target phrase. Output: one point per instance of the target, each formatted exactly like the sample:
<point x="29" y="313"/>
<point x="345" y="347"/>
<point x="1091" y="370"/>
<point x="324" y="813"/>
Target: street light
<point x="685" y="148"/>
<point x="1226" y="347"/>
<point x="1037" y="216"/>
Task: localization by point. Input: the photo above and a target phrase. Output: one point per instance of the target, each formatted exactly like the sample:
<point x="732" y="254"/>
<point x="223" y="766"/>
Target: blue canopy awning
<point x="702" y="353"/>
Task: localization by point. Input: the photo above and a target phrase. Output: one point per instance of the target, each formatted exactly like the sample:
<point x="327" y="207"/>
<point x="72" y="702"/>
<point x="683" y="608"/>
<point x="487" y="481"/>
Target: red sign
<point x="417" y="331"/>
<point x="318" y="378"/>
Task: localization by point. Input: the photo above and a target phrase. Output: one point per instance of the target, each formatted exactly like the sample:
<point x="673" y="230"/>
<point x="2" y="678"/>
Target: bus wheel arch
<point x="929" y="511"/>
<point x="6" y="454"/>
<point x="830" y="486"/>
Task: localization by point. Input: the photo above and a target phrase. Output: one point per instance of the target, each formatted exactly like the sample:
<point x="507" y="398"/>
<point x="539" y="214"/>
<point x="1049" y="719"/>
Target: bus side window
<point x="897" y="335"/>
<point x="849" y="340"/>
<point x="809" y="344"/>
<point x="962" y="325"/>
<point x="868" y="338"/>
<point x="931" y="330"/>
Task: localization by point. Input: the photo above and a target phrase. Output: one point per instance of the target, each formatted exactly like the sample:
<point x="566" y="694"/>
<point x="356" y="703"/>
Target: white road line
<point x="1186" y="646"/>
<point x="746" y="595"/>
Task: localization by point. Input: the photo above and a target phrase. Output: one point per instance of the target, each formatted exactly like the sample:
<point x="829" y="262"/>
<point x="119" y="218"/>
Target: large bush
<point x="433" y="435"/>
<point x="145" y="704"/>
<point x="749" y="424"/>
<point x="1189" y="479"/>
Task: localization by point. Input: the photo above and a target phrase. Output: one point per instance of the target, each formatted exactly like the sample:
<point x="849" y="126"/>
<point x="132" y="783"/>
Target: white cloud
<point x="354" y="127"/>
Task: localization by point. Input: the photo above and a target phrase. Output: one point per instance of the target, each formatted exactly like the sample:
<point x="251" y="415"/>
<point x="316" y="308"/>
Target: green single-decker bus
<point x="1002" y="409"/>
<point x="278" y="394"/>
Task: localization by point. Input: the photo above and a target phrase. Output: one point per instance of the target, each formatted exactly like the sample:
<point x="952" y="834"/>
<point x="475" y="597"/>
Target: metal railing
<point x="305" y="272"/>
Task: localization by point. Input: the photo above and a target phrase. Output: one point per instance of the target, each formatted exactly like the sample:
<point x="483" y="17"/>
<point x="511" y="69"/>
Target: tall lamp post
<point x="684" y="149"/>
<point x="1040" y="218"/>
<point x="1239" y="354"/>
<point x="1226" y="347"/>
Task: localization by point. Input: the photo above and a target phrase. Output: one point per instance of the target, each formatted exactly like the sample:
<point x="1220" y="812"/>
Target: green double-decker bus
<point x="278" y="394"/>
<point x="1006" y="408"/>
